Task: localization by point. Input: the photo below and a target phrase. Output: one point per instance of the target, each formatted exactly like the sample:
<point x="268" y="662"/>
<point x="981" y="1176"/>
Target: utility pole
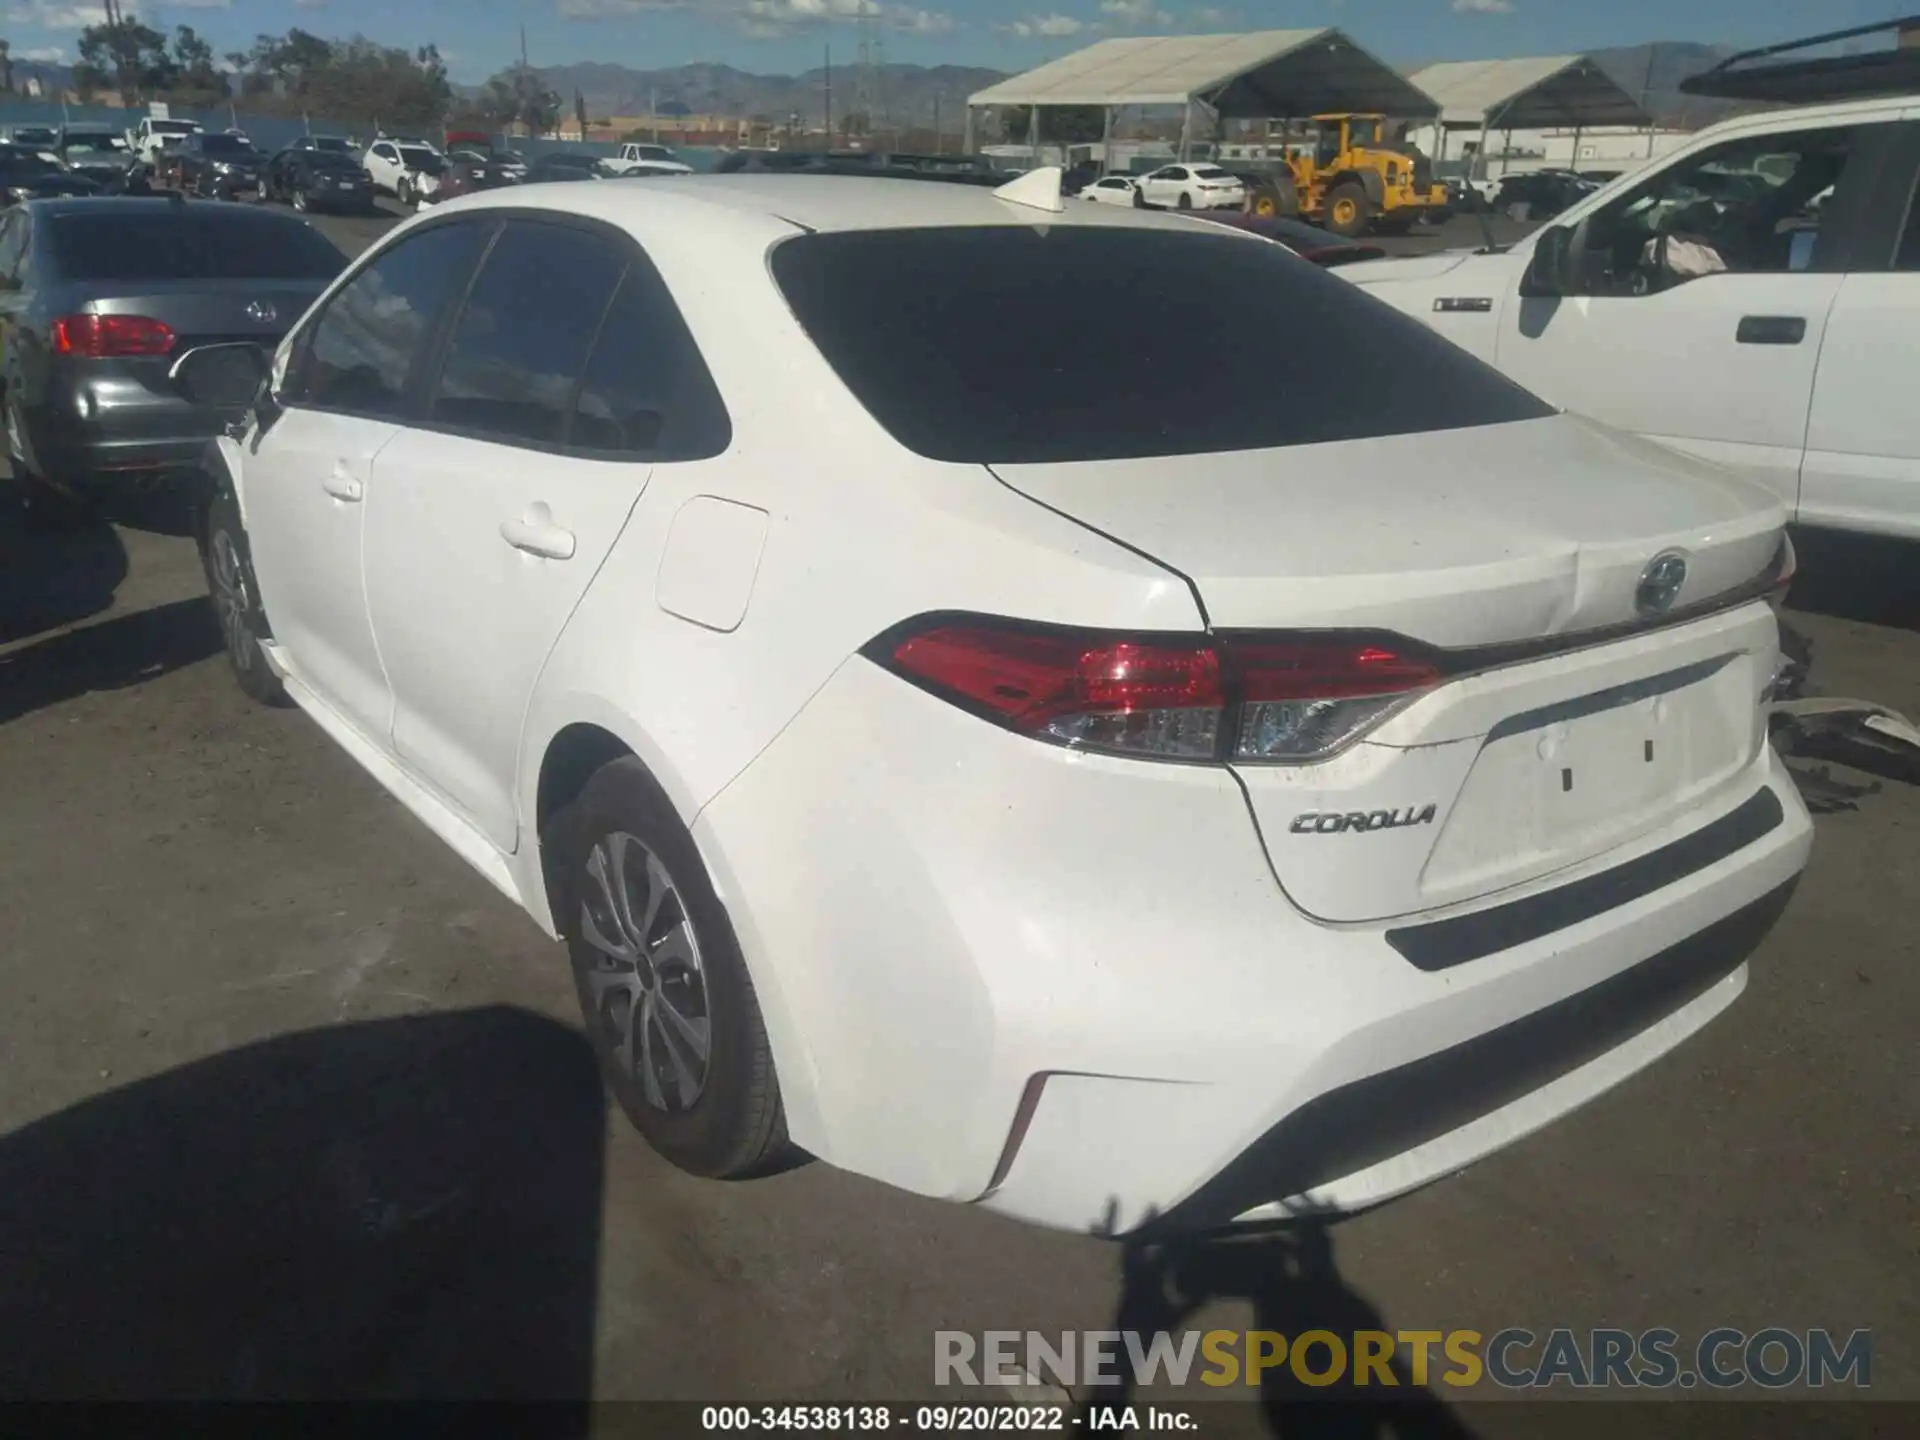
<point x="522" y="99"/>
<point x="829" y="97"/>
<point x="1646" y="89"/>
<point x="939" y="140"/>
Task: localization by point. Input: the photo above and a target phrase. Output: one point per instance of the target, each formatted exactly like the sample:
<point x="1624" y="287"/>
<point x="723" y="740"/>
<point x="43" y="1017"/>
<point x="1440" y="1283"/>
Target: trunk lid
<point x="208" y="312"/>
<point x="1462" y="537"/>
<point x="1465" y="538"/>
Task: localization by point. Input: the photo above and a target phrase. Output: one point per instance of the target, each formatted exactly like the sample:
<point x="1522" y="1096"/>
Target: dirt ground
<point x="288" y="1094"/>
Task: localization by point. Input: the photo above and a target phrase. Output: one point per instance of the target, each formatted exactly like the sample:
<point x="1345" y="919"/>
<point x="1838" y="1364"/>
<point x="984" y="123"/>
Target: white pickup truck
<point x="152" y="136"/>
<point x="1752" y="299"/>
<point x="660" y="159"/>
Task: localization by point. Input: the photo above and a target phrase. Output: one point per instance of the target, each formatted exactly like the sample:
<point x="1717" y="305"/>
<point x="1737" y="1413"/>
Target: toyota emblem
<point x="263" y="310"/>
<point x="1660" y="583"/>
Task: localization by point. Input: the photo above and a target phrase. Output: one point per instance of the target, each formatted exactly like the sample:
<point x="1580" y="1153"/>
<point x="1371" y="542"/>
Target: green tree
<point x="1059" y="124"/>
<point x="197" y="80"/>
<point x="127" y="55"/>
<point x="518" y="95"/>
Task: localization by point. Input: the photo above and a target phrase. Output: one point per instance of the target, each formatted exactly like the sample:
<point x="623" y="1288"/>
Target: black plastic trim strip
<point x="1443" y="944"/>
<point x="1358" y="1125"/>
<point x="1609" y="699"/>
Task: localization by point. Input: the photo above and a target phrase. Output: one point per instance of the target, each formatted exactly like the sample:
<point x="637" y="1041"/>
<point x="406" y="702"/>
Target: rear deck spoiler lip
<point x="1811" y="81"/>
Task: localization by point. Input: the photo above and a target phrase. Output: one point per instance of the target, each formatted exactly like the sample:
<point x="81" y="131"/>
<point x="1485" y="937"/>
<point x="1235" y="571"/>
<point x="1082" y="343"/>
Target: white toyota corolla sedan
<point x="995" y="715"/>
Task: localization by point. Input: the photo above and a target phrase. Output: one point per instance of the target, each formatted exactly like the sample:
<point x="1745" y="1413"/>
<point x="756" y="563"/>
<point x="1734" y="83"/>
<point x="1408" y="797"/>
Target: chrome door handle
<point x="539" y="537"/>
<point x="343" y="486"/>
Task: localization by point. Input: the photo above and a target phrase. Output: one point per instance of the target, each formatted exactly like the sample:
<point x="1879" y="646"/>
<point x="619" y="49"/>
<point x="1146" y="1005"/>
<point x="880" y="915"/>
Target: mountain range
<point x="909" y="95"/>
<point x="918" y="96"/>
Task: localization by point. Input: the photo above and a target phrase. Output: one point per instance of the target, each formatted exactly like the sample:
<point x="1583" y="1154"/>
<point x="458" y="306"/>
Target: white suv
<point x="981" y="739"/>
<point x="1752" y="299"/>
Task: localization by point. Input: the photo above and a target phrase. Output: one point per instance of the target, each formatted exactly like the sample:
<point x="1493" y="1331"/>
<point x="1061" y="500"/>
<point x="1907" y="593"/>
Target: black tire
<point x="235" y="595"/>
<point x="300" y="201"/>
<point x="1349" y="212"/>
<point x="403" y="192"/>
<point x="1275" y="196"/>
<point x="1185" y="202"/>
<point x="734" y="1126"/>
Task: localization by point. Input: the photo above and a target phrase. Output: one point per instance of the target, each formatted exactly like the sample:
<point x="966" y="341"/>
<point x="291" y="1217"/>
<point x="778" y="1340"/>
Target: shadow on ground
<point x="108" y="655"/>
<point x="50" y="579"/>
<point x="1288" y="1275"/>
<point x="394" y="1210"/>
<point x="1868" y="578"/>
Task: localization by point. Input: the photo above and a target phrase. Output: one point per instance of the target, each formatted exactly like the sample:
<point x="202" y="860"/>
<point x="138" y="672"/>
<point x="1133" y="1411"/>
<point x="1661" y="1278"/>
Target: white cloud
<point x="43" y="55"/>
<point x="1051" y="27"/>
<point x="57" y="17"/>
<point x="772" y="19"/>
<point x="1483" y="7"/>
<point x="50" y="15"/>
<point x="1135" y="13"/>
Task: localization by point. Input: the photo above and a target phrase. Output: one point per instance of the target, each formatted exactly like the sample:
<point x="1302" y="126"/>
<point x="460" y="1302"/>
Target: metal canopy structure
<point x="1780" y="74"/>
<point x="1268" y="74"/>
<point x="1543" y="92"/>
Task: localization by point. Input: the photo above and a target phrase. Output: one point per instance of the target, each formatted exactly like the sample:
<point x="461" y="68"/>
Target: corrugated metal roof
<point x="1534" y="92"/>
<point x="1275" y="73"/>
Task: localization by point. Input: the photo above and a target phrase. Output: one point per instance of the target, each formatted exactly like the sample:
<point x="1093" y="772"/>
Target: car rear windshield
<point x="190" y="242"/>
<point x="1210" y="172"/>
<point x="226" y="145"/>
<point x="1011" y="344"/>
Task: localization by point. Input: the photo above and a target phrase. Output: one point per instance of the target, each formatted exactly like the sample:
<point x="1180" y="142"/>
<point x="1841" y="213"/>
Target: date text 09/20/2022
<point x="947" y="1419"/>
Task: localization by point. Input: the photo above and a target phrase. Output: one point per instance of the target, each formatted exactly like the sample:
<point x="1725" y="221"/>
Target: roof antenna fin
<point x="1037" y="189"/>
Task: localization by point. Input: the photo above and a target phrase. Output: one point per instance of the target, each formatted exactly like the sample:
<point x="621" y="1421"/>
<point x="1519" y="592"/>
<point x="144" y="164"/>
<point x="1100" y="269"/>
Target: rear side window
<point x="189" y="242"/>
<point x="357" y="355"/>
<point x="647" y="392"/>
<point x="517" y="352"/>
<point x="1017" y="344"/>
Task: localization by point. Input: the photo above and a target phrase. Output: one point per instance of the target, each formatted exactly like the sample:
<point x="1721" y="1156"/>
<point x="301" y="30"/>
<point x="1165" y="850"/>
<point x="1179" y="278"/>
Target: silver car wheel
<point x="648" y="985"/>
<point x="231" y="600"/>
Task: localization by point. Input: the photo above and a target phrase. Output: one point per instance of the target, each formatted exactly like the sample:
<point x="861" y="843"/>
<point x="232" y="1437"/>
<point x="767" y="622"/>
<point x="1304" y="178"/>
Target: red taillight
<point x="1241" y="697"/>
<point x="100" y="337"/>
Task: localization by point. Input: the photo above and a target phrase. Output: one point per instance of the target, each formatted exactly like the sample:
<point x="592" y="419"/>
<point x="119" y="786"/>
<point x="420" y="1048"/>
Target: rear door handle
<point x="1771" y="330"/>
<point x="539" y="537"/>
<point x="342" y="485"/>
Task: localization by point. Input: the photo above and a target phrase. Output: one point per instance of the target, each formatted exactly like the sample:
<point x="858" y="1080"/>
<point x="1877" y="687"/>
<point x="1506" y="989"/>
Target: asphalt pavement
<point x="291" y="1101"/>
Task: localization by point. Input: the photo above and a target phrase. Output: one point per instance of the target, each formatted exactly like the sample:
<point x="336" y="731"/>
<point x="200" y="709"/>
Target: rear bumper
<point x="91" y="431"/>
<point x="1068" y="987"/>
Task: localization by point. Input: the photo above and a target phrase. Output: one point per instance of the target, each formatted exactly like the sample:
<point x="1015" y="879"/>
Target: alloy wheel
<point x="648" y="984"/>
<point x="231" y="599"/>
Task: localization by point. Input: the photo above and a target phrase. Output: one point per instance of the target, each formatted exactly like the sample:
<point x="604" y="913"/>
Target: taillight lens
<point x="100" y="337"/>
<point x="1309" y="695"/>
<point x="1275" y="698"/>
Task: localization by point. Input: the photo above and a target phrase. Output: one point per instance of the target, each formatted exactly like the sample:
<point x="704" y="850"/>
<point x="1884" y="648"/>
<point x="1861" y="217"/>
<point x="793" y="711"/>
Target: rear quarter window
<point x="1022" y="344"/>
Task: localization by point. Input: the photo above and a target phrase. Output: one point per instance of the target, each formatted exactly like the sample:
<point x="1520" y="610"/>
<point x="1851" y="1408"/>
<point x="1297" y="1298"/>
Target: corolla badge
<point x="265" y="311"/>
<point x="1660" y="583"/>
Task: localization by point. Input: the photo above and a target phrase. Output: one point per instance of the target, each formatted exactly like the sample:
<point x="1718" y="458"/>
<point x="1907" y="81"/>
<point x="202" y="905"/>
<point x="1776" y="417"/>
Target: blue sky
<point x="783" y="36"/>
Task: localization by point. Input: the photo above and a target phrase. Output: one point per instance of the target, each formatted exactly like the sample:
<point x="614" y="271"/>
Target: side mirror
<point x="223" y="378"/>
<point x="1550" y="270"/>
